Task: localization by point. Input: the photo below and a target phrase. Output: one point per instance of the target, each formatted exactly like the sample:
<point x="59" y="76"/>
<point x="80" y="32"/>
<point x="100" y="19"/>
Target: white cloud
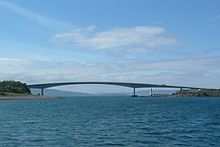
<point x="149" y="36"/>
<point x="37" y="71"/>
<point x="192" y="72"/>
<point x="40" y="19"/>
<point x="204" y="51"/>
<point x="131" y="53"/>
<point x="183" y="65"/>
<point x="11" y="65"/>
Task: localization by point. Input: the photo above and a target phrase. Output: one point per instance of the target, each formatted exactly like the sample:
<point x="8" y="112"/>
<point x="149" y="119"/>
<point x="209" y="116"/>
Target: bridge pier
<point x="151" y="92"/>
<point x="134" y="93"/>
<point x="42" y="91"/>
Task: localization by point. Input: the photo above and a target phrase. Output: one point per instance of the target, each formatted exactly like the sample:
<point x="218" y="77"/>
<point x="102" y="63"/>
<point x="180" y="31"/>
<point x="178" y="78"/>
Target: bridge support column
<point x="134" y="94"/>
<point x="42" y="91"/>
<point x="151" y="92"/>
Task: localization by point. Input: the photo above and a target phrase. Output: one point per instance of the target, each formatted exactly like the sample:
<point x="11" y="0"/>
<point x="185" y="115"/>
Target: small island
<point x="14" y="88"/>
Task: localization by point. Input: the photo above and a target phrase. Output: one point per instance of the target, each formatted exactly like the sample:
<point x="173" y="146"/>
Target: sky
<point x="174" y="42"/>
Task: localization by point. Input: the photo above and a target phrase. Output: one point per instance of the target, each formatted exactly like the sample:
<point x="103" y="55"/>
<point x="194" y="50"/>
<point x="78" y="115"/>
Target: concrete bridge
<point x="130" y="85"/>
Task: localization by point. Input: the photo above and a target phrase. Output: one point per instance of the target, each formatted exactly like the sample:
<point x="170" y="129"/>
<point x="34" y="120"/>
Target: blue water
<point x="110" y="121"/>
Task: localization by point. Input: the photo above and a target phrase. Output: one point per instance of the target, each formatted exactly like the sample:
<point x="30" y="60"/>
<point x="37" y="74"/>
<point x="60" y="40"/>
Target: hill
<point x="54" y="92"/>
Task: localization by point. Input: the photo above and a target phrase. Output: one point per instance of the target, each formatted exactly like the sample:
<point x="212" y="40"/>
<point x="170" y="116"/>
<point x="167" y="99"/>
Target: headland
<point x="15" y="90"/>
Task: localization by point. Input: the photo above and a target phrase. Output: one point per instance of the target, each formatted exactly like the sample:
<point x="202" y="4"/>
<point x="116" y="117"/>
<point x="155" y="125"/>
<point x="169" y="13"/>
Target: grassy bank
<point x="2" y="94"/>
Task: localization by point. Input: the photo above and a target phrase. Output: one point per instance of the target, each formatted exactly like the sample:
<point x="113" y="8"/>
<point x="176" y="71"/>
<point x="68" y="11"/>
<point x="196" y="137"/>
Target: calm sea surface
<point x="110" y="121"/>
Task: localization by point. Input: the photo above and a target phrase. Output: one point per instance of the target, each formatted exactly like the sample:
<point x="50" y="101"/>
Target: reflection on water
<point x="113" y="121"/>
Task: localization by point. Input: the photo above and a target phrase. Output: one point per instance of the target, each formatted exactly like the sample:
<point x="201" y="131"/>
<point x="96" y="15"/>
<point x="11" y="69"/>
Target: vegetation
<point x="210" y="92"/>
<point x="13" y="88"/>
<point x="202" y="92"/>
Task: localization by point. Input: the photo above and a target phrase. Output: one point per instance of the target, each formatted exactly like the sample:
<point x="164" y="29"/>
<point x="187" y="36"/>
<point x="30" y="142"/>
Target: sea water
<point x="110" y="121"/>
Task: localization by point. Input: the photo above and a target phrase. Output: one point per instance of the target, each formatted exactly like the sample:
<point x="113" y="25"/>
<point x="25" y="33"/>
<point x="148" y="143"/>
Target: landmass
<point x="19" y="90"/>
<point x="197" y="93"/>
<point x="16" y="90"/>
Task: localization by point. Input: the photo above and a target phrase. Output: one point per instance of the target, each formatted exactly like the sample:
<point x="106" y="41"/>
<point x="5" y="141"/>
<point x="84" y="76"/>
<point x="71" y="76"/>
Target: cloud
<point x="200" y="72"/>
<point x="204" y="51"/>
<point x="10" y="65"/>
<point x="122" y="37"/>
<point x="36" y="17"/>
<point x="37" y="71"/>
<point x="131" y="53"/>
<point x="182" y="66"/>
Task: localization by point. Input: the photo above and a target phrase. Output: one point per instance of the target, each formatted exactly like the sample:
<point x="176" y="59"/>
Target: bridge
<point x="124" y="84"/>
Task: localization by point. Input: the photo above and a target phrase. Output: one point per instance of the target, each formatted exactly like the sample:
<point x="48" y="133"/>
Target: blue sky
<point x="150" y="41"/>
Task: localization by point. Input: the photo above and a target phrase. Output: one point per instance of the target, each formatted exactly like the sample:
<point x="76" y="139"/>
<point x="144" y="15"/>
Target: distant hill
<point x="156" y="91"/>
<point x="54" y="92"/>
<point x="140" y="93"/>
<point x="114" y="94"/>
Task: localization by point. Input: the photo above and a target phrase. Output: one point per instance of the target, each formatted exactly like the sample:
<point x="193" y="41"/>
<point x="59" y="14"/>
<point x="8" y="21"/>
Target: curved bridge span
<point x="124" y="84"/>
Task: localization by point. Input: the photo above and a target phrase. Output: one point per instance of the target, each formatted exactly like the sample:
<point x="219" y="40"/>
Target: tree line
<point x="14" y="87"/>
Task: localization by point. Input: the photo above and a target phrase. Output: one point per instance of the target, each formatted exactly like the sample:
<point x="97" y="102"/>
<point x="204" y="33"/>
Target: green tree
<point x="14" y="87"/>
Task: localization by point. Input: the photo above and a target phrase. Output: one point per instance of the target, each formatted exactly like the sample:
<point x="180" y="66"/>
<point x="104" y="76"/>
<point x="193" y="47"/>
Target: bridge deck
<point x="130" y="85"/>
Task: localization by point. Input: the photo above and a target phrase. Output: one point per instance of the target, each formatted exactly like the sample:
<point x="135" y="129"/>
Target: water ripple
<point x="111" y="121"/>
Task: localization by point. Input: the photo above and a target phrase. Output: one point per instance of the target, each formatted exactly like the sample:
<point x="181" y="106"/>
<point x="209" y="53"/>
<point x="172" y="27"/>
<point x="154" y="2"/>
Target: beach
<point x="25" y="97"/>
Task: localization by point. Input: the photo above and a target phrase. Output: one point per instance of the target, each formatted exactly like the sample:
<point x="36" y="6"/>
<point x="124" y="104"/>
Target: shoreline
<point x="26" y="97"/>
